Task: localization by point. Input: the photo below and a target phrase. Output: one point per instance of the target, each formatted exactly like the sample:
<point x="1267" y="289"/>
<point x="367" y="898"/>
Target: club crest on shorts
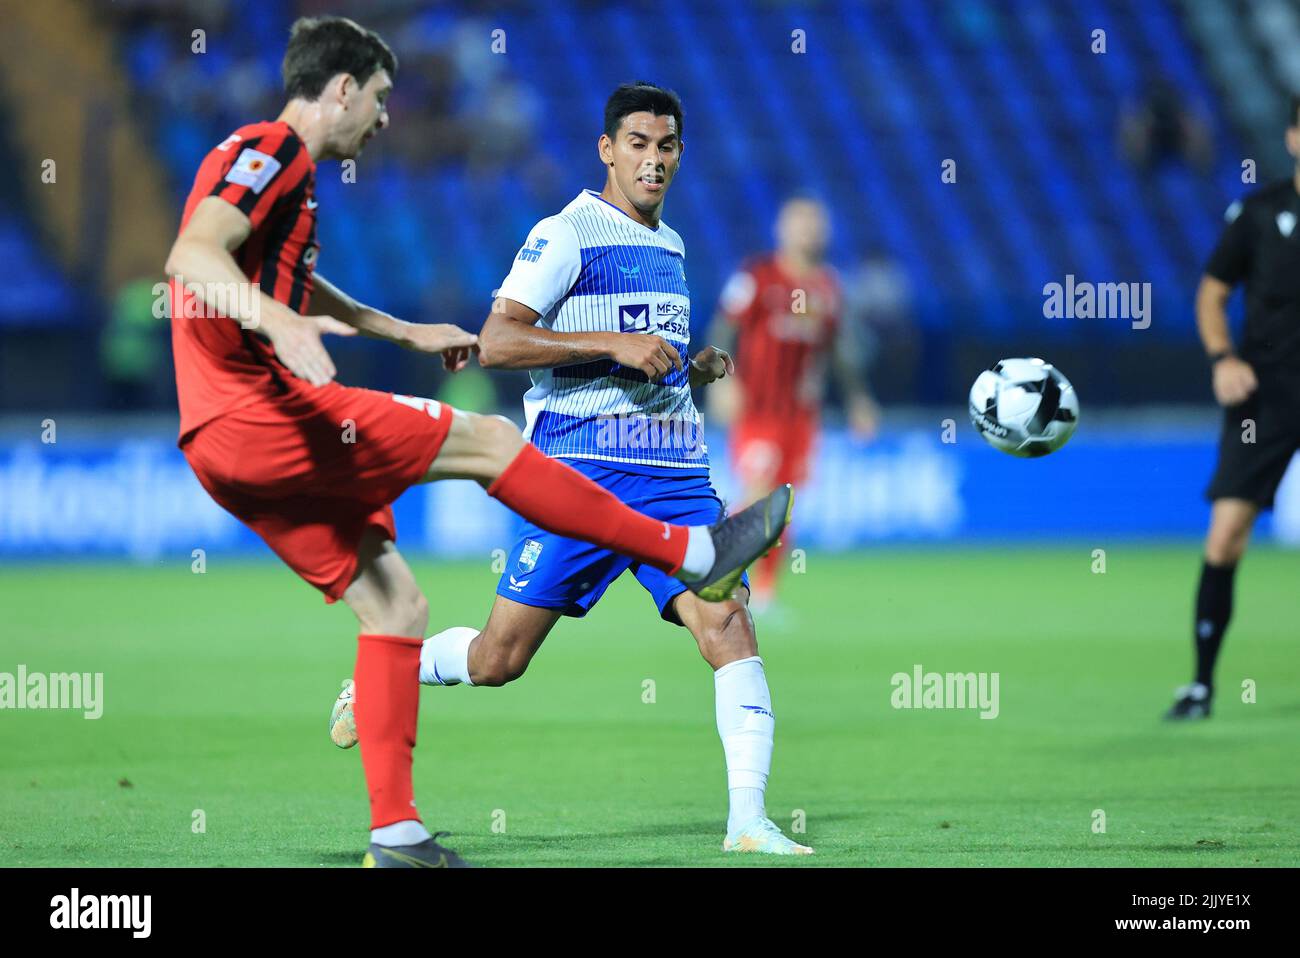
<point x="527" y="562"/>
<point x="528" y="557"/>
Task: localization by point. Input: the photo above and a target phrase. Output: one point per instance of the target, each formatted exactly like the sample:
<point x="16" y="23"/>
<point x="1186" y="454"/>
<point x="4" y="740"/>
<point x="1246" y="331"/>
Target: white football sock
<point x="409" y="832"/>
<point x="700" y="555"/>
<point x="746" y="726"/>
<point x="746" y="805"/>
<point x="444" y="658"/>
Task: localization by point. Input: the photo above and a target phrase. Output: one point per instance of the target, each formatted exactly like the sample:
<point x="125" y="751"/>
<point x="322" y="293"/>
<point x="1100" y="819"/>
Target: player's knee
<point x="502" y="439"/>
<point x="420" y="614"/>
<point x="727" y="634"/>
<point x="496" y="441"/>
<point x="406" y="614"/>
<point x="1226" y="543"/>
<point x="1225" y="547"/>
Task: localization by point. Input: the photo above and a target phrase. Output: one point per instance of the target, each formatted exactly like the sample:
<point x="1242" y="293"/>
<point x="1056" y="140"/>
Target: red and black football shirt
<point x="265" y="171"/>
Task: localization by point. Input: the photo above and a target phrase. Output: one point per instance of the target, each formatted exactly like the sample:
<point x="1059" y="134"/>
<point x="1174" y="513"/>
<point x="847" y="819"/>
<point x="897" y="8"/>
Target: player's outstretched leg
<point x="724" y="632"/>
<point x="1230" y="523"/>
<point x="561" y="500"/>
<point x="492" y="656"/>
<point x="393" y="616"/>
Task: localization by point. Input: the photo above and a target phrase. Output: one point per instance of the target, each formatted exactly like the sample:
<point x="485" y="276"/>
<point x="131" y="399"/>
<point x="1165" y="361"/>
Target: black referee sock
<point x="1213" y="610"/>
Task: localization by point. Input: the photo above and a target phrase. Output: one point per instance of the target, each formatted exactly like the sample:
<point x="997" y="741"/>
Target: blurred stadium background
<point x="1111" y="167"/>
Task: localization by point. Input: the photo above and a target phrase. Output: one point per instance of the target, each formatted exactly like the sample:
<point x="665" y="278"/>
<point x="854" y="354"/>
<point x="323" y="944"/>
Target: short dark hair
<point x="1294" y="118"/>
<point x="320" y="48"/>
<point x="641" y="97"/>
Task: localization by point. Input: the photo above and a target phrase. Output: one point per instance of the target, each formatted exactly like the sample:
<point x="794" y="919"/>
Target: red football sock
<point x="386" y="707"/>
<point x="564" y="501"/>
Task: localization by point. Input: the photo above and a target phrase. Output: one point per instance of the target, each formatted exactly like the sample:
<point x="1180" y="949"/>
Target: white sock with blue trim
<point x="444" y="658"/>
<point x="747" y="728"/>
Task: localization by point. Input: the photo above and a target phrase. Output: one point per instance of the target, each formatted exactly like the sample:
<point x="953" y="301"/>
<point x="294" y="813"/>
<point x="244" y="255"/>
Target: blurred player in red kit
<point x="780" y="317"/>
<point x="313" y="466"/>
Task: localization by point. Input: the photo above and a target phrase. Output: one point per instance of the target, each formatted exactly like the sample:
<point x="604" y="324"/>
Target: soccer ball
<point x="1024" y="407"/>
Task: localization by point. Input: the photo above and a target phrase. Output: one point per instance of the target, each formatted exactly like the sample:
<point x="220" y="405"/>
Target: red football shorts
<point x="311" y="472"/>
<point x="772" y="451"/>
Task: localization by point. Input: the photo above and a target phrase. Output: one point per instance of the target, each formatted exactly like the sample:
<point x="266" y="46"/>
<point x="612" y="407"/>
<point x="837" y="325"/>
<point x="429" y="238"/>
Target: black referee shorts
<point x="1253" y="470"/>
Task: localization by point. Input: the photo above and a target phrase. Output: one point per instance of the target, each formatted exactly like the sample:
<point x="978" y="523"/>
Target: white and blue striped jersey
<point x="592" y="268"/>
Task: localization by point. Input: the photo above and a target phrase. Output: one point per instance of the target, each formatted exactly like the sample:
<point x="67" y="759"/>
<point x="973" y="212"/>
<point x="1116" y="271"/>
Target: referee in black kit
<point x="1259" y="388"/>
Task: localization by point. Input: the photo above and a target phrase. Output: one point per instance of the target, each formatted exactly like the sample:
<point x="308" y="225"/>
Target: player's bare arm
<point x="847" y="369"/>
<point x="724" y="397"/>
<point x="714" y="362"/>
<point x="454" y="344"/>
<point x="202" y="258"/>
<point x="1234" y="379"/>
<point x="511" y="339"/>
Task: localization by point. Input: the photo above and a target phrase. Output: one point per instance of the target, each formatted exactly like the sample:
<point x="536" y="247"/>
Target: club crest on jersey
<point x="253" y="169"/>
<point x="634" y="318"/>
<point x="530" y="254"/>
<point x="1286" y="223"/>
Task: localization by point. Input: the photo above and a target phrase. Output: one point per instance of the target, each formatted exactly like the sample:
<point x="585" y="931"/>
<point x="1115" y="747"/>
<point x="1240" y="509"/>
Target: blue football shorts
<point x="553" y="572"/>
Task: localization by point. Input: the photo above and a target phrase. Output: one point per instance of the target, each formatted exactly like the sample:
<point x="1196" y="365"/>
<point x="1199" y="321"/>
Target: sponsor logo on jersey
<point x="674" y="318"/>
<point x="253" y="169"/>
<point x="531" y="254"/>
<point x="634" y="317"/>
<point x="630" y="271"/>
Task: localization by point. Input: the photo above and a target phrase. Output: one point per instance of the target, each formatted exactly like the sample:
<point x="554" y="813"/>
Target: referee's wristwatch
<point x="1221" y="354"/>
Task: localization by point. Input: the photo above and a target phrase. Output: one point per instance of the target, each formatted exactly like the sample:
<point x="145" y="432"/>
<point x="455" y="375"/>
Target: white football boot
<point x="762" y="836"/>
<point x="343" y="726"/>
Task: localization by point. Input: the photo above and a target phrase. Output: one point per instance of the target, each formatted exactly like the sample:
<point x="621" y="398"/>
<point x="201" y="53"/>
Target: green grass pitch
<point x="218" y="687"/>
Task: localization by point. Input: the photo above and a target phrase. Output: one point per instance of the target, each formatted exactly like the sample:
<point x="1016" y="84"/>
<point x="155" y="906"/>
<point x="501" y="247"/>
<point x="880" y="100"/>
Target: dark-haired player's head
<point x="642" y="143"/>
<point x="803" y="229"/>
<point x="345" y="72"/>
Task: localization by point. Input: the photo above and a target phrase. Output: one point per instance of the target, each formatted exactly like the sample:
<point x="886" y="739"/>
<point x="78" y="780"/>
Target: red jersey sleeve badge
<point x="253" y="169"/>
